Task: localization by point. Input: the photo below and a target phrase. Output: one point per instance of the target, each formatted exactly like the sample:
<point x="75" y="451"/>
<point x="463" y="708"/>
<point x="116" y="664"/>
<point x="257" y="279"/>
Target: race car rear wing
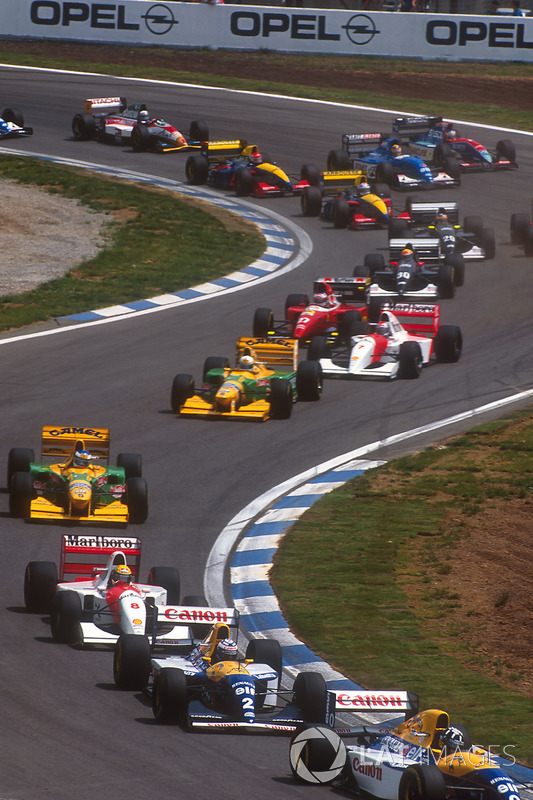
<point x="347" y="290"/>
<point x="99" y="106"/>
<point x="85" y="554"/>
<point x="358" y="144"/>
<point x="424" y="213"/>
<point x="273" y="353"/>
<point x="427" y="250"/>
<point x="221" y="149"/>
<point x="334" y="182"/>
<point x="57" y="441"/>
<point x="421" y="319"/>
<point x="385" y="702"/>
<point x="410" y="128"/>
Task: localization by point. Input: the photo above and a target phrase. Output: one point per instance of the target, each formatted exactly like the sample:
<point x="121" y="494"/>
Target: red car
<point x="338" y="307"/>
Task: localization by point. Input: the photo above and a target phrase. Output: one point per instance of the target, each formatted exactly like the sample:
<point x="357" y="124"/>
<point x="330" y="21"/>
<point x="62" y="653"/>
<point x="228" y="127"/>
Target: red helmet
<point x="450" y="136"/>
<point x="256" y="158"/>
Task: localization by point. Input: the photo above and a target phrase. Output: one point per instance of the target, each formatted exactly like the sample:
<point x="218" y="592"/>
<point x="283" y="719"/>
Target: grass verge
<point x="156" y="243"/>
<point x="388" y="590"/>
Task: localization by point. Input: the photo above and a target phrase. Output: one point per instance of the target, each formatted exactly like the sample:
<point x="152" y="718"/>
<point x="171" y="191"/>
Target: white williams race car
<point x="391" y="349"/>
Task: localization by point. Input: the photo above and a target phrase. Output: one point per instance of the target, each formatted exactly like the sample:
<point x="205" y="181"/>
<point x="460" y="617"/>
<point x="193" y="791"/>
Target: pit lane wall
<point x="452" y="37"/>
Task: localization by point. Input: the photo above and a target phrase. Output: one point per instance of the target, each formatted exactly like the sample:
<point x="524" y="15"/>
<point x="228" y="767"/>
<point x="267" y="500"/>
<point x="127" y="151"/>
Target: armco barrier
<point x="451" y="37"/>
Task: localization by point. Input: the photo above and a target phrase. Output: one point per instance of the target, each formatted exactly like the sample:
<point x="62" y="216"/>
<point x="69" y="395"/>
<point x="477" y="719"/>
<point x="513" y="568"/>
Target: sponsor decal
<point x="370" y="700"/>
<point x="207" y="615"/>
<point x="108" y="542"/>
<point x="159" y="19"/>
<point x="98" y="15"/>
<point x="448" y="32"/>
<point x="370" y="770"/>
<point x="360" y="29"/>
<point x="77" y="431"/>
<point x="298" y="26"/>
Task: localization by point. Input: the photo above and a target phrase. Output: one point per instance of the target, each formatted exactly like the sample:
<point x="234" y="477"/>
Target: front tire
<point x="20" y="495"/>
<point x="310" y="696"/>
<point x="488" y="242"/>
<point x="13" y="115"/>
<point x="83" y="127"/>
<point x="182" y="389"/>
<point x="131" y="463"/>
<point x="140" y="138"/>
<point x="311" y="201"/>
<point x="19" y="460"/>
<point x="448" y="344"/>
<point x="422" y="782"/>
<point x="40" y="581"/>
<point x="341" y="213"/>
<point x="410" y="358"/>
<point x="131" y="662"/>
<point x="197" y="169"/>
<point x="456" y="262"/>
<point x="65" y="618"/>
<point x="244" y="182"/>
<point x="199" y="131"/>
<point x="263" y="322"/>
<point x="169" y="697"/>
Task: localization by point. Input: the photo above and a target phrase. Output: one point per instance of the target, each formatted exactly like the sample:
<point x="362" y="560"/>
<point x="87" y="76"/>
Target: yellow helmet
<point x="121" y="574"/>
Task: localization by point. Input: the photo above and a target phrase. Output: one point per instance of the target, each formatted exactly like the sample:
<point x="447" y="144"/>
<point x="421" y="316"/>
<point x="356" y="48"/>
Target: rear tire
<point x="13" y="115"/>
<point x="519" y="226"/>
<point x="199" y="131"/>
<point x="19" y="460"/>
<point x="311" y="201"/>
<point x="197" y="601"/>
<point x="451" y="167"/>
<point x="137" y="500"/>
<point x="473" y="224"/>
<point x="296" y="300"/>
<point x="214" y="362"/>
<point x="169" y="579"/>
<point x="132" y="662"/>
<point x="311" y="174"/>
<point x="397" y="228"/>
<point x="21" y="495"/>
<point x="309" y="381"/>
<point x="338" y="161"/>
<point x="280" y="398"/>
<point x="374" y="262"/>
<point x="347" y="323"/>
<point x="488" y="242"/>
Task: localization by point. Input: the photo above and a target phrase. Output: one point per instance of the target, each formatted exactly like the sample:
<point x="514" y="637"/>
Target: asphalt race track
<point x="67" y="733"/>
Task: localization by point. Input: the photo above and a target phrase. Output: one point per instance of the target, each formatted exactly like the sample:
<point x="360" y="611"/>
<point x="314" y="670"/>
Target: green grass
<point x="155" y="243"/>
<point x="379" y="611"/>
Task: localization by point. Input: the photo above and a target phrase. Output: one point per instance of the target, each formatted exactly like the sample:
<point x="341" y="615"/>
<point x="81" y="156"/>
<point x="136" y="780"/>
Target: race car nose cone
<point x="79" y="493"/>
<point x="228" y="395"/>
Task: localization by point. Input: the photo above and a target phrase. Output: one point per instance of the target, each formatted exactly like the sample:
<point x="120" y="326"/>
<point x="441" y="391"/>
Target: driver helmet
<point x="383" y="328"/>
<point x="320" y="298"/>
<point x="450" y="136"/>
<point x="144" y="116"/>
<point x="395" y="150"/>
<point x="256" y="158"/>
<point x="82" y="458"/>
<point x="121" y="574"/>
<point x="406" y="252"/>
<point x="453" y="739"/>
<point x="441" y="216"/>
<point x="246" y="362"/>
<point x="364" y="188"/>
<point x="226" y="650"/>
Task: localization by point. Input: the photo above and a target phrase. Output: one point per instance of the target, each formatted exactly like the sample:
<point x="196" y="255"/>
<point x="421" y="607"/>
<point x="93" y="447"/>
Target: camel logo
<point x="360" y="29"/>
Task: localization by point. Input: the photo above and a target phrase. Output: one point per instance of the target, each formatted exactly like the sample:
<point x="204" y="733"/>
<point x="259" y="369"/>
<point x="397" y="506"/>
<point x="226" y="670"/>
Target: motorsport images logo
<point x="360" y="29"/>
<point x="159" y="19"/>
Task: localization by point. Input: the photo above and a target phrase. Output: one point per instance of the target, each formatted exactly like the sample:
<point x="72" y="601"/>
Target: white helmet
<point x="246" y="362"/>
<point x="364" y="188"/>
<point x="227" y="650"/>
<point x="82" y="458"/>
<point x="144" y="116"/>
<point x="383" y="327"/>
<point x="320" y="298"/>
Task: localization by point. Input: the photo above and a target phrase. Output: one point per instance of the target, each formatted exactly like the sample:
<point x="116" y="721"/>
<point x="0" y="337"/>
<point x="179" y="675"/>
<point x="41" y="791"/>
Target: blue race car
<point x="12" y="124"/>
<point x="436" y="141"/>
<point x="383" y="161"/>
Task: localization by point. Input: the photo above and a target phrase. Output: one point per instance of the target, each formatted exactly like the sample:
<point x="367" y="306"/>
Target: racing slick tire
<point x="40" y="581"/>
<point x="410" y="361"/>
<point x="301" y="300"/>
<point x="506" y="150"/>
<point x="317" y="754"/>
<point x="311" y="201"/>
<point x="456" y="262"/>
<point x="451" y="167"/>
<point x="20" y="495"/>
<point x="19" y="460"/>
<point x="264" y="651"/>
<point x="422" y="782"/>
<point x="442" y="152"/>
<point x="141" y="138"/>
<point x="137" y="500"/>
<point x="448" y="344"/>
<point x="361" y="272"/>
<point x="214" y="362"/>
<point x="412" y="198"/>
<point x="131" y="463"/>
<point x="374" y="309"/>
<point x="199" y="131"/>
<point x="263" y="322"/>
<point x="473" y="224"/>
<point x="169" y="697"/>
<point x="244" y="182"/>
<point x="197" y="169"/>
<point x="65" y="617"/>
<point x="381" y="189"/>
<point x="519" y="226"/>
<point x="83" y="127"/>
<point x="13" y="115"/>
<point x="488" y="242"/>
<point x="338" y="160"/>
<point x="310" y="173"/>
<point x="318" y="348"/>
<point x="385" y="173"/>
<point x="528" y="244"/>
<point x="397" y="228"/>
<point x="182" y="389"/>
<point x="347" y="323"/>
<point x="280" y="398"/>
<point x="374" y="262"/>
<point x="169" y="579"/>
<point x="198" y="601"/>
<point x="310" y="696"/>
<point x="445" y="282"/>
<point x="132" y="662"/>
<point x="309" y="381"/>
<point x="341" y="213"/>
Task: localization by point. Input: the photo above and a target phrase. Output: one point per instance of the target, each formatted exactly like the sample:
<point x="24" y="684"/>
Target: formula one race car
<point x="12" y="124"/>
<point x="211" y="688"/>
<point x="96" y="596"/>
<point x="265" y="383"/>
<point x="112" y="120"/>
<point x="382" y="160"/>
<point x="240" y="166"/>
<point x="347" y="200"/>
<point x="522" y="232"/>
<point x="76" y="489"/>
<point x="440" y="237"/>
<point x="337" y="306"/>
<point x="392" y="349"/>
<point x="422" y="758"/>
<point x="436" y="141"/>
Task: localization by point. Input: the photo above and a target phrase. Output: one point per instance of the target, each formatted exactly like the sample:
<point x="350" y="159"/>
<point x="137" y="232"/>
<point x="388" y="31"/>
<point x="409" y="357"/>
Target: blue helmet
<point x="227" y="650"/>
<point x="82" y="458"/>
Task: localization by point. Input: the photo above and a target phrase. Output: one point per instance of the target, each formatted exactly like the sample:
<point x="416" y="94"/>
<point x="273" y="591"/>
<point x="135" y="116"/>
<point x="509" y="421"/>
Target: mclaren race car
<point x="347" y="200"/>
<point x="383" y="162"/>
<point x="71" y="486"/>
<point x="12" y="124"/>
<point x="240" y="166"/>
<point x="422" y="758"/>
<point x="391" y="349"/>
<point x="112" y="120"/>
<point x="212" y="688"/>
<point x="265" y="383"/>
<point x="437" y="141"/>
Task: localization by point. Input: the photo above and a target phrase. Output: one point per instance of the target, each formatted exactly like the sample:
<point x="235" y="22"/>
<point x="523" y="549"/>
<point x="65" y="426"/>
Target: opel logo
<point x="159" y="19"/>
<point x="360" y="29"/>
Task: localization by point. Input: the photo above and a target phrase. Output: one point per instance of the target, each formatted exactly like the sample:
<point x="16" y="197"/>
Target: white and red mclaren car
<point x="407" y="337"/>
